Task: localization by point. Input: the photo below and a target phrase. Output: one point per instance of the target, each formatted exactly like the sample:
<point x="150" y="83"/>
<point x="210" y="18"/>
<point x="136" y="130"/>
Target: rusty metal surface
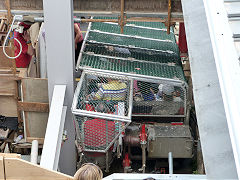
<point x="153" y="6"/>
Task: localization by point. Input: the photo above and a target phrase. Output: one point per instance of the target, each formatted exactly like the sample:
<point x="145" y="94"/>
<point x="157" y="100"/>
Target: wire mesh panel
<point x="159" y="99"/>
<point x="131" y="41"/>
<point x="157" y="25"/>
<point x="103" y="95"/>
<point x="132" y="53"/>
<point x="169" y="70"/>
<point x="134" y="30"/>
<point x="98" y="135"/>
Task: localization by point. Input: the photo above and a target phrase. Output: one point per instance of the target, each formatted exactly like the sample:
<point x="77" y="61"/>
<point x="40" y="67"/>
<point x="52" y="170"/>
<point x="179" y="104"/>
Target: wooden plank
<point x="35" y="90"/>
<point x="36" y="123"/>
<point x="8" y="106"/>
<point x="8" y="7"/>
<point x="33" y="106"/>
<point x="110" y="6"/>
<point x="7" y="94"/>
<point x="10" y="155"/>
<point x="2" y="174"/>
<point x="22" y="72"/>
<point x="23" y="170"/>
<point x="1" y="25"/>
<point x="8" y="103"/>
<point x="30" y="139"/>
<point x="5" y="62"/>
<point x="7" y="85"/>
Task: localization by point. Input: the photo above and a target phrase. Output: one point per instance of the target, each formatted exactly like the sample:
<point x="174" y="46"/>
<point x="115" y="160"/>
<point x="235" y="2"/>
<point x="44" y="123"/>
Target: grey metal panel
<point x="60" y="67"/>
<point x="167" y="138"/>
<point x="172" y="131"/>
<point x="212" y="122"/>
<point x="233" y="9"/>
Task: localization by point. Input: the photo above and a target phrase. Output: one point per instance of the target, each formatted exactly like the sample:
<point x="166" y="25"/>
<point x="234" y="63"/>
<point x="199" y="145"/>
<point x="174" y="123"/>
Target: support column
<point x="212" y="122"/>
<point x="58" y="18"/>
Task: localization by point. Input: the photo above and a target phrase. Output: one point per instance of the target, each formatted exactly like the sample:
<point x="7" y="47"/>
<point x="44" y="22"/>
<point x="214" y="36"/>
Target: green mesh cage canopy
<point x="144" y="48"/>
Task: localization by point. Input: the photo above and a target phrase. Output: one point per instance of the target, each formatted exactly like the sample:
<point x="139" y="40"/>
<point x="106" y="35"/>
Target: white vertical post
<point x="58" y="19"/>
<point x="34" y="152"/>
<point x="54" y="131"/>
<point x="170" y="162"/>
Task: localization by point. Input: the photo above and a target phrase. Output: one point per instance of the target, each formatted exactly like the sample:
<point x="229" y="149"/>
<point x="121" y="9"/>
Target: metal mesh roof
<point x="145" y="48"/>
<point x="134" y="30"/>
<point x="131" y="53"/>
<point x="137" y="67"/>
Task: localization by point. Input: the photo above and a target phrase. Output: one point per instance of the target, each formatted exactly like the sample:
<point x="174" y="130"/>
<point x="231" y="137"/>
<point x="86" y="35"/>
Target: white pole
<point x="34" y="152"/>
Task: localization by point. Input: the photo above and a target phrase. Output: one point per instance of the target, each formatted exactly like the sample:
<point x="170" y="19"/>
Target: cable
<point x="4" y="44"/>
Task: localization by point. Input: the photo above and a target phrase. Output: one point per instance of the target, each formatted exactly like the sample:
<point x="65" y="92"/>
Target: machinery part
<point x="126" y="163"/>
<point x="132" y="140"/>
<point x="143" y="142"/>
<point x="103" y="160"/>
<point x="143" y="135"/>
<point x="170" y="138"/>
<point x="107" y="163"/>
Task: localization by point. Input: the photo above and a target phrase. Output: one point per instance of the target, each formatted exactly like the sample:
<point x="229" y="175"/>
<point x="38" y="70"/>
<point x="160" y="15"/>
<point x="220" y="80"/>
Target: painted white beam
<point x="207" y="90"/>
<point x="228" y="68"/>
<point x="54" y="131"/>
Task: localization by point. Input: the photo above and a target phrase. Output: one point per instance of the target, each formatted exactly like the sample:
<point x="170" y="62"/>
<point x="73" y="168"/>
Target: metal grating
<point x="158" y="99"/>
<point x="132" y="41"/>
<point x="157" y="25"/>
<point x="170" y="70"/>
<point x="98" y="135"/>
<point x="131" y="53"/>
<point x="143" y="49"/>
<point x="134" y="30"/>
<point x="100" y="95"/>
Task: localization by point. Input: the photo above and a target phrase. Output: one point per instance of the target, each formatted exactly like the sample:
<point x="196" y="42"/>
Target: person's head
<point x="168" y="91"/>
<point x="89" y="171"/>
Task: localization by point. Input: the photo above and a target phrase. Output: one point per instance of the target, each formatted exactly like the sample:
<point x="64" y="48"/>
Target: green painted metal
<point x="135" y="30"/>
<point x="132" y="53"/>
<point x="145" y="49"/>
<point x="137" y="67"/>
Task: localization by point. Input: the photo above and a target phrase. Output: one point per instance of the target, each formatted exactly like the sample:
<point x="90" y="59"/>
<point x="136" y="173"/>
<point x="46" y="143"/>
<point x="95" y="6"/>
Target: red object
<point x="162" y="171"/>
<point x="24" y="59"/>
<point x="98" y="132"/>
<point x="182" y="39"/>
<point x="126" y="161"/>
<point x="143" y="135"/>
<point x="177" y="123"/>
<point x="89" y="107"/>
<point x="26" y="26"/>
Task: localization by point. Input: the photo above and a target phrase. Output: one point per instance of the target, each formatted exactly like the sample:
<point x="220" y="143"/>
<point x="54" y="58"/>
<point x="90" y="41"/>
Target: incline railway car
<point x="132" y="98"/>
